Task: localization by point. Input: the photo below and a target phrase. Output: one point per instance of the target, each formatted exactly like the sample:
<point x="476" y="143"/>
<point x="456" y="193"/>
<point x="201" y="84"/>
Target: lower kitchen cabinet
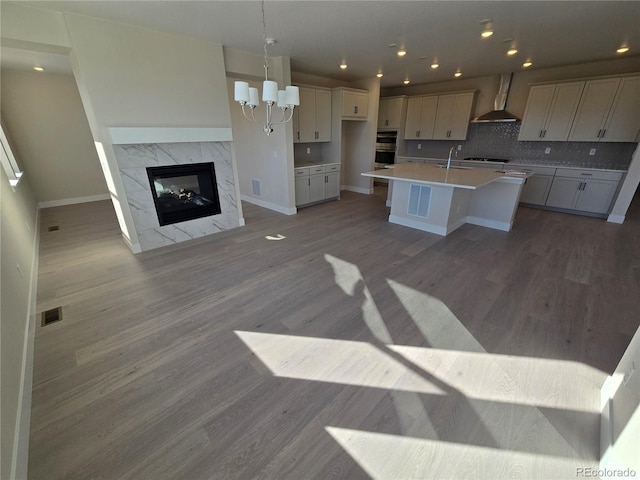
<point x="317" y="183"/>
<point x="583" y="190"/>
<point x="536" y="187"/>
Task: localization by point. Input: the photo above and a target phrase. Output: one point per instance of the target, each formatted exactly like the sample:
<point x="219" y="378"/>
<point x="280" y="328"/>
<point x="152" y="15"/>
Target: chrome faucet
<point x="450" y="152"/>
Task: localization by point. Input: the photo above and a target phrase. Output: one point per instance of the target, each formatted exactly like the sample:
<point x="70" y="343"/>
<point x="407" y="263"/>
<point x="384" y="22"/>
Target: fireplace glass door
<point x="184" y="192"/>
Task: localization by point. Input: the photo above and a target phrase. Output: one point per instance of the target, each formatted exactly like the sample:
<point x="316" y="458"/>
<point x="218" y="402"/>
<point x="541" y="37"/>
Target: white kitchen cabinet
<point x="313" y="116"/>
<point x="317" y="183"/>
<point x="583" y="190"/>
<point x="421" y="118"/>
<point x="453" y="113"/>
<point x="390" y="113"/>
<point x="609" y="111"/>
<point x="355" y="104"/>
<point x="536" y="188"/>
<point x="550" y="111"/>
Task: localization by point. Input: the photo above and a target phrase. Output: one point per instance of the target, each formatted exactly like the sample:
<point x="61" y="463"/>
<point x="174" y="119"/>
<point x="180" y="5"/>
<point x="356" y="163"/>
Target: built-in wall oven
<point x="386" y="148"/>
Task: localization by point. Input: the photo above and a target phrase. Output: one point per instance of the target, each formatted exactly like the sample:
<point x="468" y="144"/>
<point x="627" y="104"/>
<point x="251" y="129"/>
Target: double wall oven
<point x="386" y="148"/>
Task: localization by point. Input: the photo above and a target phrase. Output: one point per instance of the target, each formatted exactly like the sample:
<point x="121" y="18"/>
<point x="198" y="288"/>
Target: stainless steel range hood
<point x="499" y="114"/>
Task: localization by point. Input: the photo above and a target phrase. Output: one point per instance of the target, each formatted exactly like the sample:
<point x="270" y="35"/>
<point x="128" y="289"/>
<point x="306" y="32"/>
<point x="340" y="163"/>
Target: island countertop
<point x="468" y="177"/>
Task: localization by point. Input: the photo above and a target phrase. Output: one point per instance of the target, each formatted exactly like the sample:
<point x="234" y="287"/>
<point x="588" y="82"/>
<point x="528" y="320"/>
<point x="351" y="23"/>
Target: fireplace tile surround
<point x="133" y="160"/>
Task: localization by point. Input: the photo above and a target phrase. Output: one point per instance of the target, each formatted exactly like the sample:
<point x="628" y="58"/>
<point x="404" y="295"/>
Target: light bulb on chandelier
<point x="286" y="100"/>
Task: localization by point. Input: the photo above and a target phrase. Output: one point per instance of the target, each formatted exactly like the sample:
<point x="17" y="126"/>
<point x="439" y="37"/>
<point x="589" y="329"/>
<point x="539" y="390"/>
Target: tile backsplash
<point x="500" y="140"/>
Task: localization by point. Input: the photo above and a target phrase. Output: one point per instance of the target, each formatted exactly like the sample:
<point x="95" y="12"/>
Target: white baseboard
<point x="269" y="205"/>
<point x="417" y="225"/>
<point x="73" y="201"/>
<point x="616" y="218"/>
<point x="20" y="454"/>
<point x="484" y="222"/>
<point x="134" y="247"/>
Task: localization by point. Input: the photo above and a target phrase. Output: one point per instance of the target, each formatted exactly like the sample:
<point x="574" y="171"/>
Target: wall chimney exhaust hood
<point x="499" y="114"/>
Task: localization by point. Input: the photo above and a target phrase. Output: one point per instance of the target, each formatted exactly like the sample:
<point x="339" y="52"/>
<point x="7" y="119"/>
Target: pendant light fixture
<point x="286" y="100"/>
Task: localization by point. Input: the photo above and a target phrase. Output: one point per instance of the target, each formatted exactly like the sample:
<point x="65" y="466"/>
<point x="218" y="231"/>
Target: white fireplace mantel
<point x="143" y="135"/>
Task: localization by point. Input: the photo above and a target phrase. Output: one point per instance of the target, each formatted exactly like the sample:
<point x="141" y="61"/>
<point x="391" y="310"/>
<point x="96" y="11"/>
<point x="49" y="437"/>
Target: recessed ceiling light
<point x="402" y="53"/>
<point x="457" y="74"/>
<point x="379" y="75"/>
<point x="39" y="69"/>
<point x="434" y="65"/>
<point x="527" y="64"/>
<point x="512" y="51"/>
<point x="486" y="33"/>
<point x="406" y="82"/>
<point x="622" y="50"/>
<point x="343" y="66"/>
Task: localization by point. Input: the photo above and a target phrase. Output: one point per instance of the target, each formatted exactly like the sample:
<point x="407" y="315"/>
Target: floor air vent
<point x="51" y="316"/>
<point x="53" y="228"/>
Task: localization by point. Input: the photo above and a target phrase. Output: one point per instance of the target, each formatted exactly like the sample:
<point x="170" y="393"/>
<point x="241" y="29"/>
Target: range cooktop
<point x="485" y="159"/>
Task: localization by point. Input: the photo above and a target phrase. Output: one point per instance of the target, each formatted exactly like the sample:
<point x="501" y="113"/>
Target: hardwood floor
<point x="351" y="348"/>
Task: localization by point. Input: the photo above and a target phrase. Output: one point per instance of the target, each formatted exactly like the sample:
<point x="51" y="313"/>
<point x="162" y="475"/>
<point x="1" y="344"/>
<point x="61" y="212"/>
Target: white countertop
<point x="470" y="178"/>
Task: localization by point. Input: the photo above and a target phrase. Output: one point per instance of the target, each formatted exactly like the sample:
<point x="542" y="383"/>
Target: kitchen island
<point x="435" y="199"/>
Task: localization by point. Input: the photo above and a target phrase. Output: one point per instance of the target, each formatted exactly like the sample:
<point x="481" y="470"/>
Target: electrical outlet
<point x="459" y="147"/>
<point x="547" y="150"/>
<point x="592" y="151"/>
<point x="308" y="150"/>
<point x="419" y="146"/>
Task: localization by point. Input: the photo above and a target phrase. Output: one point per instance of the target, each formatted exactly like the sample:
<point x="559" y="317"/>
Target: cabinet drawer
<point x="317" y="169"/>
<point x="588" y="174"/>
<point x="302" y="172"/>
<point x="332" y="168"/>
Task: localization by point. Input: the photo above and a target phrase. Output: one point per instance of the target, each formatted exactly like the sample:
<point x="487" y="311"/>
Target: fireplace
<point x="184" y="192"/>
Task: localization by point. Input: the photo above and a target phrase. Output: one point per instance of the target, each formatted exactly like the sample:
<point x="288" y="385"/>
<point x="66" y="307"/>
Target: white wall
<point x="51" y="135"/>
<point x="18" y="257"/>
<point x="620" y="428"/>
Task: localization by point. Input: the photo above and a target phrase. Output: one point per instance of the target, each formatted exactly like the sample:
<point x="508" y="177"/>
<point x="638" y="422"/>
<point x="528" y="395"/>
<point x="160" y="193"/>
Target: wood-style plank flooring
<point x="351" y="348"/>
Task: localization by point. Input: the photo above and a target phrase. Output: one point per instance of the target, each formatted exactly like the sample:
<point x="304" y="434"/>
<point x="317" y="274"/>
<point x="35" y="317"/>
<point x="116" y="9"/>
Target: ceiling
<point x="318" y="35"/>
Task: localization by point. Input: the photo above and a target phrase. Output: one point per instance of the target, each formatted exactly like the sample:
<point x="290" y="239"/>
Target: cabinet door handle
<point x="326" y="179"/>
<point x="448" y="133"/>
<point x="604" y="132"/>
<point x="386" y="123"/>
<point x="587" y="174"/>
<point x="355" y="109"/>
<point x="540" y="134"/>
<point x="599" y="133"/>
<point x="544" y="133"/>
<point x="309" y="181"/>
<point x="417" y="133"/>
<point x="298" y="135"/>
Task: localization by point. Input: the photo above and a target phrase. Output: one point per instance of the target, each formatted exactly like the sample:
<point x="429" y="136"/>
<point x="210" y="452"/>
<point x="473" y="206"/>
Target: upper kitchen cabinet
<point x="550" y="111"/>
<point x="452" y="116"/>
<point x="390" y="113"/>
<point x="421" y="118"/>
<point x="609" y="111"/>
<point x="313" y="116"/>
<point x="355" y="104"/>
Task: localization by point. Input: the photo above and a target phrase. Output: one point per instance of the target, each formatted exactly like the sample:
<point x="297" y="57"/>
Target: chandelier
<point x="286" y="100"/>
